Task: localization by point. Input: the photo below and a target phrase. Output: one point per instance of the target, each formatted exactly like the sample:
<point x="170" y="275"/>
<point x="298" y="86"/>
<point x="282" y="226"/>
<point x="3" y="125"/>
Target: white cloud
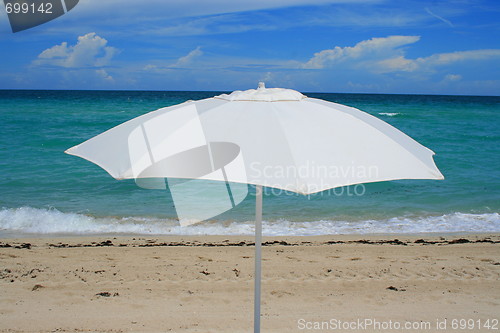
<point x="89" y="51"/>
<point x="399" y="63"/>
<point x="387" y="55"/>
<point x="195" y="18"/>
<point x="179" y="8"/>
<point x="372" y="49"/>
<point x="150" y="67"/>
<point x="206" y="25"/>
<point x="448" y="58"/>
<point x="183" y="62"/>
<point x="430" y="63"/>
<point x="439" y="17"/>
<point x="104" y="75"/>
<point x="188" y="59"/>
<point x="452" y="77"/>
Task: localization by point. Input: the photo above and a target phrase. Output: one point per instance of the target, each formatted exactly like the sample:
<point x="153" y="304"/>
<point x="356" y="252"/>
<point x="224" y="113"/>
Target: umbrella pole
<point x="258" y="257"/>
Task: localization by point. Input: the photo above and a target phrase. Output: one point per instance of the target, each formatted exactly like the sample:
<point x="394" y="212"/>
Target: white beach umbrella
<point x="266" y="137"/>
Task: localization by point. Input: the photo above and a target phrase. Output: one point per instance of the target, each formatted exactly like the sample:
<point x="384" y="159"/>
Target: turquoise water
<point x="43" y="190"/>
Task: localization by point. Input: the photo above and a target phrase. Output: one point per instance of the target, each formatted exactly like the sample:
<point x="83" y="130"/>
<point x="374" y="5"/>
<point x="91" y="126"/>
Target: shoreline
<point x="28" y="222"/>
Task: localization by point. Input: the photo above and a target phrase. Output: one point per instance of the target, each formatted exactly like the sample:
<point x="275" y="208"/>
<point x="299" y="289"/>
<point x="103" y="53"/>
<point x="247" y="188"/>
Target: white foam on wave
<point x="27" y="220"/>
<point x="51" y="221"/>
<point x="389" y="114"/>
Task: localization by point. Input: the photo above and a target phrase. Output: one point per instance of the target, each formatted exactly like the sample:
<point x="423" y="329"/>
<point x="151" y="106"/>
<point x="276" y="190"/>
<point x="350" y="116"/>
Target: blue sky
<point x="360" y="46"/>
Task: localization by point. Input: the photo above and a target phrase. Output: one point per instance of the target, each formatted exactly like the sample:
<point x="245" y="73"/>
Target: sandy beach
<point x="205" y="283"/>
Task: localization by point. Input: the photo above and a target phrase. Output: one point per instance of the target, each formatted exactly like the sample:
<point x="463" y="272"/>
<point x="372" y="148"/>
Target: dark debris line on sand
<point x="152" y="243"/>
<point x="107" y="294"/>
<point x="18" y="246"/>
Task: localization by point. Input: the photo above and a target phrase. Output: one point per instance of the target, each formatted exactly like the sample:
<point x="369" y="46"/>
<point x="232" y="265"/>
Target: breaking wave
<point x="29" y="221"/>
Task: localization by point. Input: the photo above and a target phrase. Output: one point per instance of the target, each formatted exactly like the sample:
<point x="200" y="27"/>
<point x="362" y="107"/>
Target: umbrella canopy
<point x="271" y="137"/>
<point x="267" y="137"/>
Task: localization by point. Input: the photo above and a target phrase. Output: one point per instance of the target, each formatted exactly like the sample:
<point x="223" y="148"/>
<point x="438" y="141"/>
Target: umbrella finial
<point x="262" y="85"/>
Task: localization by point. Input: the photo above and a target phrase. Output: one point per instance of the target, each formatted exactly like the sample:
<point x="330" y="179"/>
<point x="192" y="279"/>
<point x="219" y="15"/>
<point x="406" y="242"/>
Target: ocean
<point x="46" y="192"/>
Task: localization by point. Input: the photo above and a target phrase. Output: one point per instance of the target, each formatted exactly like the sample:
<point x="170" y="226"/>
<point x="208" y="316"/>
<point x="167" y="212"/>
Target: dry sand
<point x="205" y="284"/>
